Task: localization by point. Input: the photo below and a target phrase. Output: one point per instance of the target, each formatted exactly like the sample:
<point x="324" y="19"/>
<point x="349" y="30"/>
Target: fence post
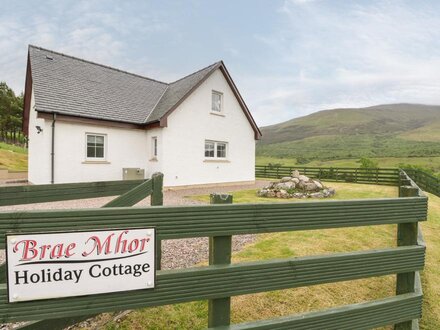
<point x="220" y="250"/>
<point x="157" y="200"/>
<point x="406" y="235"/>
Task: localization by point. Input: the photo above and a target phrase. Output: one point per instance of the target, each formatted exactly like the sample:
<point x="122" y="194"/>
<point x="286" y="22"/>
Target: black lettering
<point x="18" y="277"/>
<point x="91" y="271"/>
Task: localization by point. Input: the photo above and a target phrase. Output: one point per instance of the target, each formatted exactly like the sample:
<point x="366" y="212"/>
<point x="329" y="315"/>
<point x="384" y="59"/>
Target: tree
<point x="11" y="112"/>
<point x="368" y="163"/>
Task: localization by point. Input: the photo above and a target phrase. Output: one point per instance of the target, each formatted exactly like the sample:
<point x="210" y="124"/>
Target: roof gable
<point x="75" y="87"/>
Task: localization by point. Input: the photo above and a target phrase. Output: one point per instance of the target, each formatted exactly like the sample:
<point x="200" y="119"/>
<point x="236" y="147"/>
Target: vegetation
<point x="11" y="109"/>
<point x="399" y="130"/>
<point x="282" y="245"/>
<point x="428" y="164"/>
<point x="13" y="157"/>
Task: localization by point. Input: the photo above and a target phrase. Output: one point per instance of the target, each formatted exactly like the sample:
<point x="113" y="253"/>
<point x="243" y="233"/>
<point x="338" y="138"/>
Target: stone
<point x="303" y="178"/>
<point x="295" y="180"/>
<point x="285" y="185"/>
<point x="285" y="179"/>
<point x="310" y="186"/>
<point x="295" y="174"/>
<point x="318" y="184"/>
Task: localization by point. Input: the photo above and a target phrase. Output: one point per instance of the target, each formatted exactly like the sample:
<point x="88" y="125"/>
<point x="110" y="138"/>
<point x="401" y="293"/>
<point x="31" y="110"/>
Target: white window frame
<point x="154" y="147"/>
<point x="216" y="143"/>
<point x="214" y="92"/>
<point x="104" y="158"/>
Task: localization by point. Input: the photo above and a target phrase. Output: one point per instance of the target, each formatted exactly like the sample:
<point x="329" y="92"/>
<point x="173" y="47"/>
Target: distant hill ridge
<point x="390" y="130"/>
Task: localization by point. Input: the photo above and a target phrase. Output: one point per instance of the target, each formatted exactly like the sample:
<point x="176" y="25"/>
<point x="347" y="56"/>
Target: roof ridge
<point x="158" y="100"/>
<point x="95" y="63"/>
<point x="218" y="63"/>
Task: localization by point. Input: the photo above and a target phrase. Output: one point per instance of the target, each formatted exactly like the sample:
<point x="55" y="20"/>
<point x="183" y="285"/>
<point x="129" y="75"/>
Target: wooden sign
<point x="53" y="265"/>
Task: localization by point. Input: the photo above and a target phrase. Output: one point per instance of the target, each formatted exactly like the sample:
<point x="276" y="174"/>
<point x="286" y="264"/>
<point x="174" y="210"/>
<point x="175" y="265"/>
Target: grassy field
<point x="290" y="244"/>
<point x="13" y="157"/>
<point x="432" y="163"/>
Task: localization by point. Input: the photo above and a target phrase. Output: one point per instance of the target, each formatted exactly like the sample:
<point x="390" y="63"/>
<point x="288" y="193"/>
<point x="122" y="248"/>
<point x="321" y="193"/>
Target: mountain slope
<point x="394" y="130"/>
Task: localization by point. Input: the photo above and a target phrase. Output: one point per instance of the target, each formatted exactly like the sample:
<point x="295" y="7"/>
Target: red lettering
<point x="123" y="242"/>
<point x="68" y="250"/>
<point x="29" y="250"/>
<point x="98" y="246"/>
<point x="144" y="242"/>
<point x="57" y="251"/>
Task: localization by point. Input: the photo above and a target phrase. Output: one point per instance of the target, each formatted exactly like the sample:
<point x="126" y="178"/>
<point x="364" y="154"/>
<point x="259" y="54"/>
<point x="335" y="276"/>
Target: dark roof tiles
<point x="72" y="86"/>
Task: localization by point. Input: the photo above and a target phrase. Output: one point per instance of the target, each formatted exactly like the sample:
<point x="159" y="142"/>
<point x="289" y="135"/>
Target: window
<point x="95" y="146"/>
<point x="221" y="150"/>
<point x="154" y="146"/>
<point x="209" y="149"/>
<point x="214" y="149"/>
<point x="217" y="100"/>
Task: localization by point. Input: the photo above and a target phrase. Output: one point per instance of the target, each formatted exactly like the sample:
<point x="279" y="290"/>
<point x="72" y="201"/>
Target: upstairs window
<point x="217" y="101"/>
<point x="216" y="149"/>
<point x="95" y="146"/>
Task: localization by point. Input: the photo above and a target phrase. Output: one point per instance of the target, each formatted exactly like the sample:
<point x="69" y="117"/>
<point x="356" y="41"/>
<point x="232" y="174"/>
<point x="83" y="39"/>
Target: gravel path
<point x="179" y="253"/>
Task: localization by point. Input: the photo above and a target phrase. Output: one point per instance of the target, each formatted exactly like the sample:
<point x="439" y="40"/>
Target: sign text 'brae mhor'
<point x="43" y="266"/>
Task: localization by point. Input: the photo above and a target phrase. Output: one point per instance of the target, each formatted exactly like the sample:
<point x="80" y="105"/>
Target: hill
<point x="393" y="130"/>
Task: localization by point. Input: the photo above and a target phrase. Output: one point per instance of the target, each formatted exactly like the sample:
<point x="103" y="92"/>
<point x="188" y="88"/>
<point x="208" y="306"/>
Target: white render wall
<point x="39" y="148"/>
<point x="192" y="123"/>
<point x="180" y="145"/>
<point x="124" y="148"/>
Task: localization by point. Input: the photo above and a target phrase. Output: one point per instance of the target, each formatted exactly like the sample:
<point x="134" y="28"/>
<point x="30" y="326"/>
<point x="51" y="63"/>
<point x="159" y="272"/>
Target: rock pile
<point x="296" y="186"/>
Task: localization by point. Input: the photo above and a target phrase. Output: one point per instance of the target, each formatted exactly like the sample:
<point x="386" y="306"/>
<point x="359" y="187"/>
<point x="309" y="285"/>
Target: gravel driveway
<point x="179" y="253"/>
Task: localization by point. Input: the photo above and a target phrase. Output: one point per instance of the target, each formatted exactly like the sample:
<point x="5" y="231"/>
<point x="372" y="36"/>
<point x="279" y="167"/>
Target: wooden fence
<point x="130" y="191"/>
<point x="221" y="280"/>
<point x="424" y="180"/>
<point x="383" y="176"/>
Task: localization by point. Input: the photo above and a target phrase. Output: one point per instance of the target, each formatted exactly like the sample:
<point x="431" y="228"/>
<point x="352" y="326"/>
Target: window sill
<point x="220" y="114"/>
<point x="95" y="162"/>
<point x="216" y="161"/>
<point x="154" y="159"/>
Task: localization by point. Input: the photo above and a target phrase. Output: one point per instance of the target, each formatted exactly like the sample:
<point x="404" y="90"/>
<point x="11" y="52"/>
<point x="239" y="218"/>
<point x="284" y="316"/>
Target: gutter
<point x="52" y="154"/>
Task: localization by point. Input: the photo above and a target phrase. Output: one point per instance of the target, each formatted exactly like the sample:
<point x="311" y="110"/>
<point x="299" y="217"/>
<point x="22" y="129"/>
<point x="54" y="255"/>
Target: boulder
<point x="318" y="184"/>
<point x="303" y="178"/>
<point x="310" y="186"/>
<point x="285" y="179"/>
<point x="295" y="174"/>
<point x="295" y="180"/>
<point x="285" y="185"/>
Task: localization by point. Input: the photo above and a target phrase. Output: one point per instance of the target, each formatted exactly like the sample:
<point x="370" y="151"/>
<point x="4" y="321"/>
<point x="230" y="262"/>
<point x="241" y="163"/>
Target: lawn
<point x="289" y="244"/>
<point x="13" y="157"/>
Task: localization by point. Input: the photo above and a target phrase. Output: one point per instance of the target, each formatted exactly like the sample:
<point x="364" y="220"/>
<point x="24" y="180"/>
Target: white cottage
<point x="90" y="122"/>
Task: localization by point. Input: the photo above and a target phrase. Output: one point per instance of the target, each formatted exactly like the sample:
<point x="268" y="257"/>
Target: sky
<point x="288" y="58"/>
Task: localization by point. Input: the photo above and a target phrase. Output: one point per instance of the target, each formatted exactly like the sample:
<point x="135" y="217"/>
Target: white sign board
<point x="53" y="265"/>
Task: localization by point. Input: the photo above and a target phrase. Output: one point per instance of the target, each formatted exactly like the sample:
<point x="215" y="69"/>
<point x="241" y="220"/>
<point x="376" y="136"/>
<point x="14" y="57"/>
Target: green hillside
<point x="394" y="130"/>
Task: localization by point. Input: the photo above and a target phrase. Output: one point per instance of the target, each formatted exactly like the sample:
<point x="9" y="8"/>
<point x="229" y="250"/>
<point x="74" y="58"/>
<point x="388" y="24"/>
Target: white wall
<point x="39" y="148"/>
<point x="192" y="123"/>
<point x="180" y="145"/>
<point x="124" y="148"/>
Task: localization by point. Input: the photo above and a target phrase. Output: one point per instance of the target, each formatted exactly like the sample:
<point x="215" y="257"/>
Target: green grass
<point x="13" y="157"/>
<point x="287" y="244"/>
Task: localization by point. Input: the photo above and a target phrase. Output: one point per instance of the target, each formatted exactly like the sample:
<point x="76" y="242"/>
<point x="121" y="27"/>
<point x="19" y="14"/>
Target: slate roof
<point x="76" y="87"/>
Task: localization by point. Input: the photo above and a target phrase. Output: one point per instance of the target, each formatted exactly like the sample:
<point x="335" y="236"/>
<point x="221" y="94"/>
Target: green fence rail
<point x="221" y="280"/>
<point x="424" y="180"/>
<point x="61" y="192"/>
<point x="382" y="176"/>
<point x="133" y="191"/>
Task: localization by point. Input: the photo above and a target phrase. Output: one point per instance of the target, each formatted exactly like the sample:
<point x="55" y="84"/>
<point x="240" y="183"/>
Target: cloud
<point x="94" y="30"/>
<point x="350" y="56"/>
